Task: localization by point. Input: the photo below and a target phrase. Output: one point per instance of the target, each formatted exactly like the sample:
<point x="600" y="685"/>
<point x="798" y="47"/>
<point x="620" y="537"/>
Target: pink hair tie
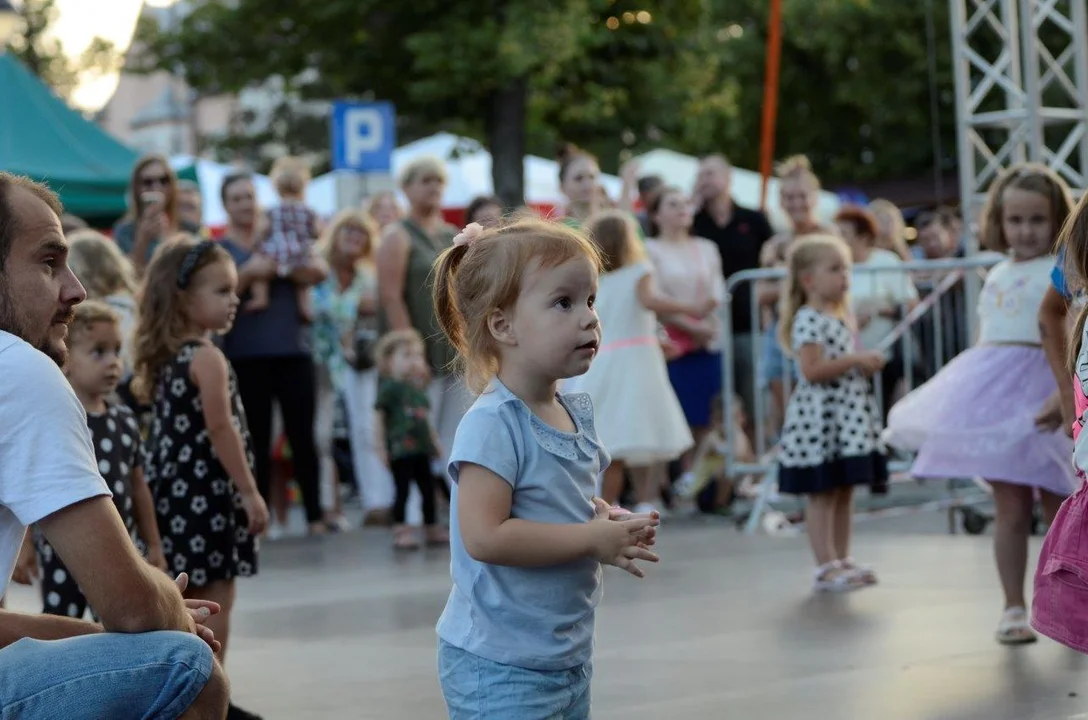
<point x="469" y="234"/>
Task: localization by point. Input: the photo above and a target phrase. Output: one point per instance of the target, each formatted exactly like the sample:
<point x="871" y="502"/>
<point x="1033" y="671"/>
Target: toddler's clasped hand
<point x="619" y="537"/>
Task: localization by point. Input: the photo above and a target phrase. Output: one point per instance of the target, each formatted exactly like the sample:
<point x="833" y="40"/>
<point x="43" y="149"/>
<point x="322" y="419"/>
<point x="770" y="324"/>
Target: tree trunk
<point x="506" y="140"/>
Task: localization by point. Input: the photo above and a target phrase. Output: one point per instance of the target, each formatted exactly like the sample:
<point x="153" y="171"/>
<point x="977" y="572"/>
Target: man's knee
<point x="211" y="703"/>
<point x="114" y="675"/>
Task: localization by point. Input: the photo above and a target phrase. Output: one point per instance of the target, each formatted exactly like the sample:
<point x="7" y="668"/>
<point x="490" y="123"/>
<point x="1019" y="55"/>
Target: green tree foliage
<point x="855" y="86"/>
<point x="45" y="57"/>
<point x="519" y="74"/>
<point x="615" y="76"/>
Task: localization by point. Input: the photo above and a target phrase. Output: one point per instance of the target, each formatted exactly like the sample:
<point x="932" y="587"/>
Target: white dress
<point x="638" y="418"/>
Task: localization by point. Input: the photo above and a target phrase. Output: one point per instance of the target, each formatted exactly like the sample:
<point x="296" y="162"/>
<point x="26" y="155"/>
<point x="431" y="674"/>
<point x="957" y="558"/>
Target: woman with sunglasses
<point x="153" y="211"/>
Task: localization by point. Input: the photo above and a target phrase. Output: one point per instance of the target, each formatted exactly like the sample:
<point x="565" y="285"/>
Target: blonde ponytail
<point x="444" y="299"/>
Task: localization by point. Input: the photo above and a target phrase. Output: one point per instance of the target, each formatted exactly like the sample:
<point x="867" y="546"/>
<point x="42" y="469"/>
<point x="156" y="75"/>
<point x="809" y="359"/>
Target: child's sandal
<point x="1014" y="628"/>
<point x="832" y="578"/>
<point x="866" y="575"/>
<point x="404" y="538"/>
<point x="437" y="535"/>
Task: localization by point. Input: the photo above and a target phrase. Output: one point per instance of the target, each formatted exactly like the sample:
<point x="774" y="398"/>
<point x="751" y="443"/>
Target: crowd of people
<point x="533" y="375"/>
<point x="305" y="364"/>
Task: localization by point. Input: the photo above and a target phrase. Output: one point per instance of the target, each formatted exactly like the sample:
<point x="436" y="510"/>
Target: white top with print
<point x="1008" y="307"/>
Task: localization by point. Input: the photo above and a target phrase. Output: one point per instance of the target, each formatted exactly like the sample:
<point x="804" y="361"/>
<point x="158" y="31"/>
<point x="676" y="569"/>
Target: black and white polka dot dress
<point x="201" y="520"/>
<point x="117" y="448"/>
<point x="831" y="435"/>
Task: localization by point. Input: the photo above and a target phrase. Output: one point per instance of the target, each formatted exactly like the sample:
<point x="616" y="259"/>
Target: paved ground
<point x="724" y="627"/>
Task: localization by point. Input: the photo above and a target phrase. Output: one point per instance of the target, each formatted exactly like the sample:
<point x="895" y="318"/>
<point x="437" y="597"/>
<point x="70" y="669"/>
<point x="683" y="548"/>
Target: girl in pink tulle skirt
<point x="976" y="418"/>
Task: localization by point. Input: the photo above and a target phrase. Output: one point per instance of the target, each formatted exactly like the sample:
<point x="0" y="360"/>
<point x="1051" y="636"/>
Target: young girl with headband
<point x="198" y="459"/>
<point x="528" y="537"/>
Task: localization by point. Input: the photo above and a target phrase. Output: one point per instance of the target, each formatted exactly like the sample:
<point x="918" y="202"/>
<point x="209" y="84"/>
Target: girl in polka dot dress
<point x="830" y="440"/>
<point x="198" y="459"/>
<point x="94" y="369"/>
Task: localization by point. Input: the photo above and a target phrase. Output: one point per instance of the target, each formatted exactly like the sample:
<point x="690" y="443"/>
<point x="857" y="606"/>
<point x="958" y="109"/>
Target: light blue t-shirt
<point x="536" y="618"/>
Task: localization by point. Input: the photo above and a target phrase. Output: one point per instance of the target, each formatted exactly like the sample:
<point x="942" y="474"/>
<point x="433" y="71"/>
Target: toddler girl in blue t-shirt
<point x="527" y="534"/>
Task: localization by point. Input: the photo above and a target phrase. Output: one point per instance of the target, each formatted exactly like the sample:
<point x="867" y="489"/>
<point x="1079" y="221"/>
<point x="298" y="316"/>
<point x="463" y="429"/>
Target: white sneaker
<point x="776" y="523"/>
<point x="685" y="485"/>
<point x="276" y="532"/>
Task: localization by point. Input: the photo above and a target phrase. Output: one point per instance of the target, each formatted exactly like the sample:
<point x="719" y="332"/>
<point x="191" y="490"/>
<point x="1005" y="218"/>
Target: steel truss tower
<point x="1021" y="71"/>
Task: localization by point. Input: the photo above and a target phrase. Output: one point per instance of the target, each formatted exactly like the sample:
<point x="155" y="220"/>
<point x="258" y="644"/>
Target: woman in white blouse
<point x="688" y="269"/>
<point x="879" y="298"/>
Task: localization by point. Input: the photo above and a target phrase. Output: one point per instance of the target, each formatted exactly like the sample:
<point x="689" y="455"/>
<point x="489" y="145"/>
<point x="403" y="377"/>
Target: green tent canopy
<point x="42" y="138"/>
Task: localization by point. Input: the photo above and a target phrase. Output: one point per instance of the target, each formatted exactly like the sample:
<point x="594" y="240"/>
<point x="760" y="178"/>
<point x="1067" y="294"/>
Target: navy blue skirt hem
<point x="869" y="469"/>
<point x="696" y="379"/>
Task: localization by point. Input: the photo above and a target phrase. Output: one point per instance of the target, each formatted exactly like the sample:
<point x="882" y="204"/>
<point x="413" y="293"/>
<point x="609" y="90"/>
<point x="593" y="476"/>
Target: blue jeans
<point x="479" y="689"/>
<point x="111" y="675"/>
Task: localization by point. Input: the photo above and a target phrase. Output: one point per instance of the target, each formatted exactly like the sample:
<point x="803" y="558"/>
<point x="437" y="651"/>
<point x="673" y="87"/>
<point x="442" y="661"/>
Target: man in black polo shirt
<point x="648" y="185"/>
<point x="739" y="234"/>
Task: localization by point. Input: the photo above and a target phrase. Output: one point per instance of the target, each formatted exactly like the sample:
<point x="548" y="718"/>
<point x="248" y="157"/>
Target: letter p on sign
<point x="363" y="136"/>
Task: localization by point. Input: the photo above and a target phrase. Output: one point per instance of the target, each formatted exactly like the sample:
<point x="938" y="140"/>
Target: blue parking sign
<point x="363" y="136"/>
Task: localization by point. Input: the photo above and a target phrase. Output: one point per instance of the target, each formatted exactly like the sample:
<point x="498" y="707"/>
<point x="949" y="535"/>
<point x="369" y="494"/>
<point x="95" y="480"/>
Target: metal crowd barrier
<point x="925" y="338"/>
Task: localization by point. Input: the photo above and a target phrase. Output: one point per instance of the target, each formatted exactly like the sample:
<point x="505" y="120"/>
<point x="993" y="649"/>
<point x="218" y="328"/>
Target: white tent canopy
<point x="468" y="165"/>
<point x="210" y="176"/>
<point x="680" y="170"/>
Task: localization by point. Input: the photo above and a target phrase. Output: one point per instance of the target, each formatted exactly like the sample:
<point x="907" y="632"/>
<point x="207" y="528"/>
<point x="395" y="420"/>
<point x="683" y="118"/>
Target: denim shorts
<point x="480" y="689"/>
<point x="110" y="675"/>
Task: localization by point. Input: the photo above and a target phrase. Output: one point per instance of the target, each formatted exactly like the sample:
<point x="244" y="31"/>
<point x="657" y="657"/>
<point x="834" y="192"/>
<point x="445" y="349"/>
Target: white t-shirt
<point x="47" y="459"/>
<point x="885" y="288"/>
<point x="1008" y="306"/>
